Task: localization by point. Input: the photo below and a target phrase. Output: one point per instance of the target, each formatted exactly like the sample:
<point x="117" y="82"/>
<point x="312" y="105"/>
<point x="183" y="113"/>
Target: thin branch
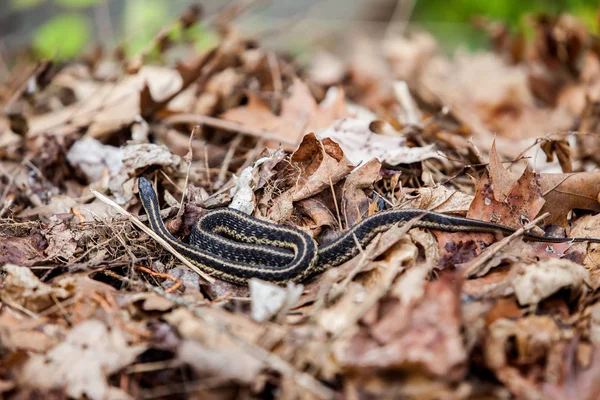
<point x="152" y="234"/>
<point x="477" y="266"/>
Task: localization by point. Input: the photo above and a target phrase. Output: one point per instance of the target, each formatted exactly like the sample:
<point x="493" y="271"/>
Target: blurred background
<point x="62" y="29"/>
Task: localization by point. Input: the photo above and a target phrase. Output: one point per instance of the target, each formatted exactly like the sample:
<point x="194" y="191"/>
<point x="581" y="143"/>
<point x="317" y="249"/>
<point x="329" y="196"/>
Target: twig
<point x="275" y="73"/>
<point x="337" y="208"/>
<point x="188" y="158"/>
<point x="173" y="288"/>
<point x="208" y="177"/>
<point x="152" y="234"/>
<point x="476" y="266"/>
<point x="226" y="125"/>
<point x="227" y="160"/>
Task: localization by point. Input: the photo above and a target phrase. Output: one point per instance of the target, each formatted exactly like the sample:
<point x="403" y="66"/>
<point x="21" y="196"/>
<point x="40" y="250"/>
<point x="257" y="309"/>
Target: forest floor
<point x="92" y="305"/>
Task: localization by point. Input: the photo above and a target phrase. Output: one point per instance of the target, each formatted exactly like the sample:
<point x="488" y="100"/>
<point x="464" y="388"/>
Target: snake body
<point x="236" y="247"/>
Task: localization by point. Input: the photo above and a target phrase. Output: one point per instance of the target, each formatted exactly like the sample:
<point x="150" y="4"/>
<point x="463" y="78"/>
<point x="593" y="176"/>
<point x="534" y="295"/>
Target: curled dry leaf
<point x="21" y="286"/>
<point x="82" y="363"/>
<point x="535" y="282"/>
<point x="360" y="143"/>
<point x="561" y="148"/>
<point x="534" y="335"/>
<point x="531" y="340"/>
<point x="320" y="165"/>
<point x="316" y="216"/>
<point x="355" y="202"/>
<point x="135" y="158"/>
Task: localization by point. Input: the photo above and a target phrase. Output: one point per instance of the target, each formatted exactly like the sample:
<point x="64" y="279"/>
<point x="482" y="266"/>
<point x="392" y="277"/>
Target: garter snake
<point x="236" y="247"/>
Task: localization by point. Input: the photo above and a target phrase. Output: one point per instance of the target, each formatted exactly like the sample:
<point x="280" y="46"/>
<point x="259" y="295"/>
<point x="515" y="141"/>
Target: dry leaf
<point x="94" y="158"/>
<point x="24" y="251"/>
<point x="321" y="164"/>
<point x="227" y="364"/>
<point x="355" y="202"/>
<point x="440" y="199"/>
<point x="536" y="282"/>
<point x="61" y="241"/>
<point x="22" y="287"/>
<point x="423" y="333"/>
<point x="360" y="143"/>
<point x="502" y="180"/>
<point x="82" y="363"/>
<point x="19" y="333"/>
<point x="105" y="107"/>
<point x="300" y="114"/>
<point x="565" y="192"/>
<point x="269" y="300"/>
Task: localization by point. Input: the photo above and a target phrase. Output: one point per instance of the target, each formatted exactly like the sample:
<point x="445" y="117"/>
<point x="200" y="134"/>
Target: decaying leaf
<point x="269" y="300"/>
<point x="355" y="202"/>
<point x="320" y="165"/>
<point x="300" y="114"/>
<point x="565" y="192"/>
<point x="538" y="281"/>
<point x="360" y="143"/>
<point x="82" y="363"/>
<point x="91" y="307"/>
<point x="440" y="199"/>
<point x="242" y="193"/>
<point x="94" y="159"/>
<point x="22" y="287"/>
<point x="61" y="241"/>
<point x="421" y="333"/>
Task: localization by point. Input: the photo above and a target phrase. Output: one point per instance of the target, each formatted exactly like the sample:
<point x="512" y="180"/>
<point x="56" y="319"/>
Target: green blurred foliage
<point x="77" y="3"/>
<point x="24" y="4"/>
<point x="201" y="37"/>
<point x="450" y="22"/>
<point x="142" y="19"/>
<point x="66" y="35"/>
<point x="62" y="37"/>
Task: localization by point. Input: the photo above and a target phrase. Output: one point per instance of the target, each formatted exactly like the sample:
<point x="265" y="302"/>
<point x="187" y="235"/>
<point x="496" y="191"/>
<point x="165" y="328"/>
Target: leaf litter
<point x="91" y="306"/>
